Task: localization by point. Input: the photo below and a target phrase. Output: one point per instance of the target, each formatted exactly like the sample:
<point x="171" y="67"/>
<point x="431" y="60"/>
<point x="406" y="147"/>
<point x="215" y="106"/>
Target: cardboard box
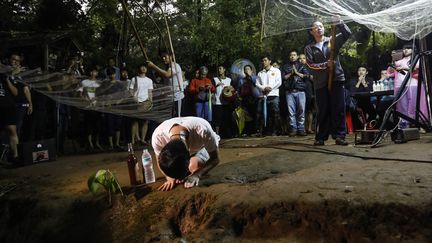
<point x="37" y="151"/>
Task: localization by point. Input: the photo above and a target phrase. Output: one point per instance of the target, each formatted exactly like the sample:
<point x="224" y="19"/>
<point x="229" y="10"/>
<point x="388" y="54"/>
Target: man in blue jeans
<point x="294" y="74"/>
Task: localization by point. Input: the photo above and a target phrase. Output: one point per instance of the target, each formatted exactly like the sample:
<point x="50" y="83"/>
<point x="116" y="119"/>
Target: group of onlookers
<point x="273" y="101"/>
<point x="277" y="100"/>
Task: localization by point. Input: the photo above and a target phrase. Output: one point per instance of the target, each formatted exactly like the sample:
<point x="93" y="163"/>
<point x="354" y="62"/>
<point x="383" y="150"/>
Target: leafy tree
<point x="204" y="32"/>
<point x="17" y="15"/>
<point x="55" y="15"/>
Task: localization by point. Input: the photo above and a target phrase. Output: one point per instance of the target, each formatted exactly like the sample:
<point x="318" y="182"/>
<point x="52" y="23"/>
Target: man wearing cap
<point x="186" y="148"/>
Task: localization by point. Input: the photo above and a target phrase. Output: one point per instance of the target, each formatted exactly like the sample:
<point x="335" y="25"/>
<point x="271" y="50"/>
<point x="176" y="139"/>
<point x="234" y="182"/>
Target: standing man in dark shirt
<point x="294" y="75"/>
<point x="23" y="100"/>
<point x="112" y="65"/>
<point x="331" y="104"/>
<point x="112" y="92"/>
<point x="310" y="108"/>
<point x="7" y="109"/>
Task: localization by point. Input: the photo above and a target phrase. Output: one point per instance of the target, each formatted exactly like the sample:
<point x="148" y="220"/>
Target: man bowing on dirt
<point x="186" y="148"/>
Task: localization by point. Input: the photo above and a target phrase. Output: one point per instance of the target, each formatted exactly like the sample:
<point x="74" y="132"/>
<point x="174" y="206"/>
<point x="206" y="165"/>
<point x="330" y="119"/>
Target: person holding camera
<point x="202" y="89"/>
<point x="75" y="67"/>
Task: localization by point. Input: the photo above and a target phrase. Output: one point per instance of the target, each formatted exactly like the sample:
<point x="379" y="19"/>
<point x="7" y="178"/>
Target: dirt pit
<point x="273" y="189"/>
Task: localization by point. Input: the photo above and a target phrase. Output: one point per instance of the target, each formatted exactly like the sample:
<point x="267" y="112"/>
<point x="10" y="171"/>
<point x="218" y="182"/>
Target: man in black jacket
<point x="293" y="75"/>
<point x="330" y="104"/>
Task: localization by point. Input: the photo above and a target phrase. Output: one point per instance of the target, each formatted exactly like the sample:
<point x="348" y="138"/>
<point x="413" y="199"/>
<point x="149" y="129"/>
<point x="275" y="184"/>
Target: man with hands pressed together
<point x="186" y="148"/>
<point x="294" y="77"/>
<point x="363" y="83"/>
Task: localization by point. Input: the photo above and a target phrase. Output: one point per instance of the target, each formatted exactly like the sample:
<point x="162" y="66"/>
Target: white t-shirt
<point x="320" y="45"/>
<point x="200" y="135"/>
<point x="144" y="85"/>
<point x="176" y="81"/>
<point x="90" y="87"/>
<point x="220" y="84"/>
<point x="271" y="78"/>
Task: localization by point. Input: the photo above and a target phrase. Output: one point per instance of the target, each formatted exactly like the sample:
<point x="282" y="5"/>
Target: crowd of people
<point x="292" y="99"/>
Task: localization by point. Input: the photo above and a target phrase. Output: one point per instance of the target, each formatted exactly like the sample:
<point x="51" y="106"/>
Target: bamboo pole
<point x="332" y="57"/>
<point x="125" y="8"/>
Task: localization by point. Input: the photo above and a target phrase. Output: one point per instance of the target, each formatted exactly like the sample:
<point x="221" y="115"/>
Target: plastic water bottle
<point x="381" y="86"/>
<point x="391" y="84"/>
<point x="386" y="84"/>
<point x="374" y="86"/>
<point x="148" y="171"/>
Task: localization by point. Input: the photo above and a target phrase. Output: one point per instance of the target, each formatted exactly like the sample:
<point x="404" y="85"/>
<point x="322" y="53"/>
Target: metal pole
<point x="46" y="57"/>
<point x="426" y="77"/>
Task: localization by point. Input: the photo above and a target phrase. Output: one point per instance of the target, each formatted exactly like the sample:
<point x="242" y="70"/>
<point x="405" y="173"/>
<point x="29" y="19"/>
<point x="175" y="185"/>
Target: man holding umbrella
<point x="269" y="80"/>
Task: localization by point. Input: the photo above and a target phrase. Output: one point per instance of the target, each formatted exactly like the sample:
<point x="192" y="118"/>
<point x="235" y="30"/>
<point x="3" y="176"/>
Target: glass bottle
<point x="131" y="162"/>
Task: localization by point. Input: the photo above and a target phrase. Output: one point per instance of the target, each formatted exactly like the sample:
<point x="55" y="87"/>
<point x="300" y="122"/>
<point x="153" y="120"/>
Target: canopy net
<point x="102" y="95"/>
<point x="407" y="19"/>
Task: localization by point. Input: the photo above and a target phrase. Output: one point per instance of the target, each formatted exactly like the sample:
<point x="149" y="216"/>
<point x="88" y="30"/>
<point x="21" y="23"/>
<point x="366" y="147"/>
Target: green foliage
<point x="366" y="48"/>
<point x="54" y="14"/>
<point x="220" y="32"/>
<point x="103" y="179"/>
<point x="204" y="32"/>
<point x="17" y="15"/>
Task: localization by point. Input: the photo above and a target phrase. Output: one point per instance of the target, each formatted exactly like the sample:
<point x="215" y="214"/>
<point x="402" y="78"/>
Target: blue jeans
<point x="296" y="110"/>
<point x="203" y="111"/>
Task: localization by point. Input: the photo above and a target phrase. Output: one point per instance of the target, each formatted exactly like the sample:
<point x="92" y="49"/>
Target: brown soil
<point x="273" y="189"/>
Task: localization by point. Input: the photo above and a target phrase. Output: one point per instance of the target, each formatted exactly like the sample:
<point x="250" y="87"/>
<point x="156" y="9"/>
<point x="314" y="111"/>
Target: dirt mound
<point x="204" y="217"/>
<point x="265" y="191"/>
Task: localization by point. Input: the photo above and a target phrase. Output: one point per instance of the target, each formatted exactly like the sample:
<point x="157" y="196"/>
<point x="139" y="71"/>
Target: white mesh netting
<point x="108" y="97"/>
<point x="407" y="19"/>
